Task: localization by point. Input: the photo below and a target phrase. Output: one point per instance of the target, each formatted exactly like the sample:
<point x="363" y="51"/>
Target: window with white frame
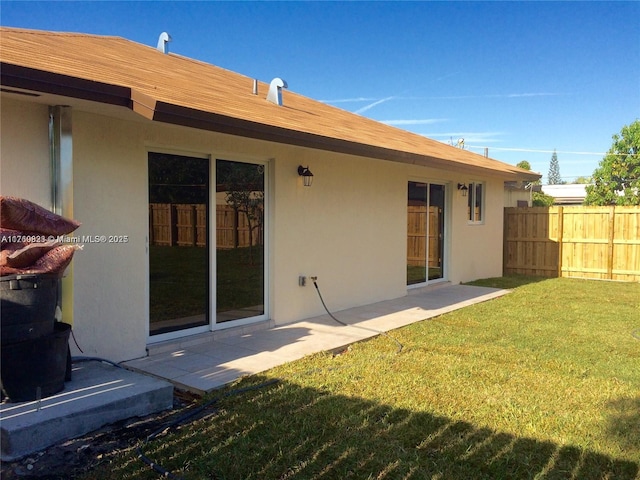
<point x="475" y="205"/>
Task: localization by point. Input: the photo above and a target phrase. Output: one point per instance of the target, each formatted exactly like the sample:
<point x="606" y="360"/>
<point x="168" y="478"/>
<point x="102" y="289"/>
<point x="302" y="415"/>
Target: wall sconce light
<point x="463" y="188"/>
<point x="306" y="175"/>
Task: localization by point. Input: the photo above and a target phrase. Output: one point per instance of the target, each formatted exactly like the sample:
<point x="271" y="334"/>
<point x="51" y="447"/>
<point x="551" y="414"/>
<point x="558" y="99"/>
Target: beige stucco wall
<point x="342" y="229"/>
<point x="476" y="249"/>
<point x="24" y="150"/>
<point x="513" y="196"/>
<point x="349" y="228"/>
<point x="110" y="199"/>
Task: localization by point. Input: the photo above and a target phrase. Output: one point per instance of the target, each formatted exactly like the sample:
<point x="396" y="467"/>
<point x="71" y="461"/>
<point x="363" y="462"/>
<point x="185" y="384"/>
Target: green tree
<point x="243" y="184"/>
<point x="583" y="180"/>
<point x="554" y="170"/>
<point x="617" y="178"/>
<point x="539" y="199"/>
<point x="525" y="165"/>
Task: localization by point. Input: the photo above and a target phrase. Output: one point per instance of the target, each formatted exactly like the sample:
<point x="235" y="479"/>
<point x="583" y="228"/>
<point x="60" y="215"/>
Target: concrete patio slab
<point x="213" y="360"/>
<point x="97" y="395"/>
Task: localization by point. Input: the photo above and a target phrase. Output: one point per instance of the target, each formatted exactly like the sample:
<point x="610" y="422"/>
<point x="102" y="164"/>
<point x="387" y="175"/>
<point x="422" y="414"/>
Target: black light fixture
<point x="463" y="188"/>
<point x="306" y="175"/>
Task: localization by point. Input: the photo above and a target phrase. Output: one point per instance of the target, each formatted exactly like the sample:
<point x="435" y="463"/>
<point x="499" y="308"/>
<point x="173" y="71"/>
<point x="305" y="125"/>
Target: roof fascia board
<point x="184" y="116"/>
<point x="57" y="84"/>
<point x="177" y="115"/>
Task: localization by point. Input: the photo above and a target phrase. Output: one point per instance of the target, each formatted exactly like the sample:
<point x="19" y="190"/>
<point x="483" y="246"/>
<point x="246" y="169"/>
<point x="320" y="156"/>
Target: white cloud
<point x="349" y="100"/>
<point x="375" y="102"/>
<point x="516" y="95"/>
<point x="493" y="95"/>
<point x="420" y="121"/>
<point x="469" y="137"/>
<point x="531" y="150"/>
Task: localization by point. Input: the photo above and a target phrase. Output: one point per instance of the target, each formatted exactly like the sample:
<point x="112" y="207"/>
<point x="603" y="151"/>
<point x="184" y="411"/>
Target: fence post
<point x="505" y="220"/>
<point x="560" y="238"/>
<point x="151" y="235"/>
<point x="194" y="226"/>
<point x="612" y="217"/>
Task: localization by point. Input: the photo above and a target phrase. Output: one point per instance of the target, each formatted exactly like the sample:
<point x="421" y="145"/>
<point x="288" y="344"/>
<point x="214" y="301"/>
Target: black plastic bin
<point x="37" y="363"/>
<point x="27" y="306"/>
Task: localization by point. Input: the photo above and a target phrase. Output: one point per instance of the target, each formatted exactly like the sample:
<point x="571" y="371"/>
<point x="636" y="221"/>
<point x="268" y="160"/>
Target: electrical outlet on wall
<point x="302" y="281"/>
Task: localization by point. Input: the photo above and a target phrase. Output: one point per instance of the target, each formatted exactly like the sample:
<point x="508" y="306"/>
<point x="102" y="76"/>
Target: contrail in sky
<point x="422" y="121"/>
<point x="507" y="149"/>
<point x="446" y="97"/>
<point x="371" y="105"/>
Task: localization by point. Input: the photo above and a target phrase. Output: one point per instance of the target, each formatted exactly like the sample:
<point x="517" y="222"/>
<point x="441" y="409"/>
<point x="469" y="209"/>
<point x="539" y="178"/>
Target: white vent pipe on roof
<point x="163" y="40"/>
<point x="275" y="91"/>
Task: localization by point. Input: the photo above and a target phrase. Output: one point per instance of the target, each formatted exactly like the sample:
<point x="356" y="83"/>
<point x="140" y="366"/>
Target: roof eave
<point x="53" y="83"/>
<point x="26" y="78"/>
<point x="178" y="115"/>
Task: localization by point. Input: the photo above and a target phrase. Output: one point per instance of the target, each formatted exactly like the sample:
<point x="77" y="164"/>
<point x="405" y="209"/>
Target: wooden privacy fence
<point x="185" y="225"/>
<point x="417" y="236"/>
<point x="585" y="242"/>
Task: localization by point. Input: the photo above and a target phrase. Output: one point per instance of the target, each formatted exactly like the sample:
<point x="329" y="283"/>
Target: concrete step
<point x="98" y="394"/>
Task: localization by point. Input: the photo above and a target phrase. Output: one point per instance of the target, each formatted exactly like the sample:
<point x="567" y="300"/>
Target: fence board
<point x="626" y="244"/>
<point x="186" y="225"/>
<point x="530" y="247"/>
<point x="160" y="224"/>
<point x="586" y="242"/>
<point x="225" y="227"/>
<point x="201" y="225"/>
<point x="417" y="236"/>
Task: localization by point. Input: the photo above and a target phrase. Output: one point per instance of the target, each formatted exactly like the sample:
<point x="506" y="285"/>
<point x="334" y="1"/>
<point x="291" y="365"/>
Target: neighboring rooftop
<point x="170" y="88"/>
<point x="567" y="194"/>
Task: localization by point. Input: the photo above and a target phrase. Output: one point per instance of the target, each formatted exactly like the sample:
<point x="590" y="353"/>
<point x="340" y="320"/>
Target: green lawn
<point x="543" y="383"/>
<point x="179" y="280"/>
<point x="240" y="278"/>
<point x="416" y="274"/>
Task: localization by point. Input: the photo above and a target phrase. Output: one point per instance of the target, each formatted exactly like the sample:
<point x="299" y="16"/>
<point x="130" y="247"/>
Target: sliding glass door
<point x="186" y="281"/>
<point x="240" y="241"/>
<point x="178" y="244"/>
<point x="425" y="232"/>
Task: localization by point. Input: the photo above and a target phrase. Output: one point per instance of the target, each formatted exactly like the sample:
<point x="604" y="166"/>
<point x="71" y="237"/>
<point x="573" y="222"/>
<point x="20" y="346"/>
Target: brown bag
<point x="29" y="254"/>
<point x="26" y="216"/>
<point x="54" y="262"/>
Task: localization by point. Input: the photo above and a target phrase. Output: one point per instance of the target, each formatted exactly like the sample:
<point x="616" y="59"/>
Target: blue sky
<point x="521" y="78"/>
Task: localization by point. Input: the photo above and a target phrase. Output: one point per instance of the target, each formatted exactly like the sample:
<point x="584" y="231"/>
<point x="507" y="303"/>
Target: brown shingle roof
<point x="180" y="90"/>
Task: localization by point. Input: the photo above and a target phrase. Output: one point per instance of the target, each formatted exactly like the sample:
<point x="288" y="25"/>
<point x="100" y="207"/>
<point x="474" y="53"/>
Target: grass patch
<point x="179" y="280"/>
<point x="240" y="278"/>
<point x="415" y="274"/>
<point x="512" y="281"/>
<point x="542" y="383"/>
<point x="178" y="285"/>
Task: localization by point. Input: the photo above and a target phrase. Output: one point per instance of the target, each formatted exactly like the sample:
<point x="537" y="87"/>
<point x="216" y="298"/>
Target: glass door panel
<point x="240" y="268"/>
<point x="436" y="232"/>
<point x="425" y="232"/>
<point x="178" y="243"/>
<point x="417" y="203"/>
